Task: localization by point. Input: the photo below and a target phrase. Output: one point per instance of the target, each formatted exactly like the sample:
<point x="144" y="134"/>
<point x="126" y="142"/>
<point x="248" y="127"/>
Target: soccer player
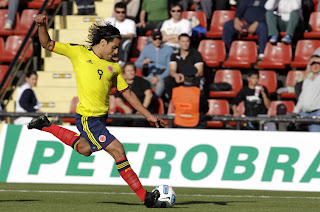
<point x="95" y="70"/>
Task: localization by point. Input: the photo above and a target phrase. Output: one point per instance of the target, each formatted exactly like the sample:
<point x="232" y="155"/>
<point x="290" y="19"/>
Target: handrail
<point x="13" y="67"/>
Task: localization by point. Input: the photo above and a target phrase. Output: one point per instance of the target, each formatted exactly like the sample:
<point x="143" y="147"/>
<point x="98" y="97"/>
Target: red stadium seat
<point x="314" y="22"/>
<point x="213" y="52"/>
<point x="272" y="111"/>
<point x="243" y="54"/>
<point x="201" y="16"/>
<point x="304" y="50"/>
<point x="38" y="3"/>
<point x="276" y="56"/>
<point x="73" y="108"/>
<point x="3" y="17"/>
<point x="268" y="79"/>
<point x="3" y="71"/>
<point x="219" y="17"/>
<point x="217" y="107"/>
<point x="12" y="46"/>
<point x="233" y="77"/>
<point x="292" y="77"/>
<point x="138" y="44"/>
<point x="26" y="20"/>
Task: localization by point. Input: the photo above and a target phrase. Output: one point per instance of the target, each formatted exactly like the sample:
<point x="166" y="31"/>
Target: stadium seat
<point x="292" y="77"/>
<point x="314" y="22"/>
<point x="276" y="56"/>
<point x="38" y="3"/>
<point x="243" y="54"/>
<point x="12" y="46"/>
<point x="201" y="16"/>
<point x="3" y="71"/>
<point x="213" y="52"/>
<point x="138" y="44"/>
<point x="72" y="110"/>
<point x="217" y="107"/>
<point x="3" y="17"/>
<point x="304" y="50"/>
<point x="268" y="79"/>
<point x="26" y="20"/>
<point x="272" y="111"/>
<point x="219" y="17"/>
<point x="233" y="77"/>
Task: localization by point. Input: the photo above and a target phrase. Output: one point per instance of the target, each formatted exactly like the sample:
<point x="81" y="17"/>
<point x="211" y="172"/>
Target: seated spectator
<point x="283" y="16"/>
<point x="86" y="7"/>
<point x="191" y="104"/>
<point x="157" y="13"/>
<point x="127" y="28"/>
<point x="142" y="90"/>
<point x="308" y="104"/>
<point x="185" y="58"/>
<point x="249" y="18"/>
<point x="26" y="99"/>
<point x="255" y="97"/>
<point x="133" y="7"/>
<point x="155" y="58"/>
<point x="175" y="26"/>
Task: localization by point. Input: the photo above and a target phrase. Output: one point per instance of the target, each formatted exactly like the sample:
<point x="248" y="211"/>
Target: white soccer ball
<point x="167" y="197"/>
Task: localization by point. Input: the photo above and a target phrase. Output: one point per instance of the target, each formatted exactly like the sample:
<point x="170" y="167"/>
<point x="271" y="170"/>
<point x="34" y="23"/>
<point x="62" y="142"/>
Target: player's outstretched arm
<point x="135" y="102"/>
<point x="44" y="37"/>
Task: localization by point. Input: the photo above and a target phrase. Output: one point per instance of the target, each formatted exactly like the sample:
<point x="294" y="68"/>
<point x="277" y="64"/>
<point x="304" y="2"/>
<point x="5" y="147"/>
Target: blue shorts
<point x="94" y="130"/>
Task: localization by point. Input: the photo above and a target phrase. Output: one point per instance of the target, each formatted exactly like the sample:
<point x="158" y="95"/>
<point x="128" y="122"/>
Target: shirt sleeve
<point x="239" y="98"/>
<point x="121" y="83"/>
<point x="66" y="49"/>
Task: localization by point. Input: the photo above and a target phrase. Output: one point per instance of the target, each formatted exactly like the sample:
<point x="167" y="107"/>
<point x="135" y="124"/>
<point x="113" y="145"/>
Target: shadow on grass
<point x="19" y="200"/>
<point x="119" y="203"/>
<point x="208" y="202"/>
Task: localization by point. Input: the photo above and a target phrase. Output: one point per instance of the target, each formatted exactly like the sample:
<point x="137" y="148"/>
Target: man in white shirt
<point x="127" y="28"/>
<point x="308" y="104"/>
<point x="175" y="26"/>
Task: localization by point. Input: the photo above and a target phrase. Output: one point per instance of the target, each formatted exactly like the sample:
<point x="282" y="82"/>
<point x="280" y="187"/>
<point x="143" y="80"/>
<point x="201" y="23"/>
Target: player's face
<point x="111" y="48"/>
<point x="32" y="80"/>
<point x="184" y="43"/>
<point x="129" y="72"/>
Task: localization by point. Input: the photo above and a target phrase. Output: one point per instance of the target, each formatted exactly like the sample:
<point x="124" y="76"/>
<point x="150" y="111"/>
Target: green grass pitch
<point x="57" y="197"/>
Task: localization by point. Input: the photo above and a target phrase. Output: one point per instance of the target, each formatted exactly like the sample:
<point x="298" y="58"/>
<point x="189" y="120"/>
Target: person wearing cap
<point x="175" y="26"/>
<point x="186" y="57"/>
<point x="127" y="28"/>
<point x="190" y="102"/>
<point x="155" y="57"/>
<point x="308" y="104"/>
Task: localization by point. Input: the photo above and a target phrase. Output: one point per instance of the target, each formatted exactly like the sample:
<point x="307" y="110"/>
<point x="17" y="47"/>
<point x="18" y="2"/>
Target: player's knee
<point x="85" y="151"/>
<point x="87" y="154"/>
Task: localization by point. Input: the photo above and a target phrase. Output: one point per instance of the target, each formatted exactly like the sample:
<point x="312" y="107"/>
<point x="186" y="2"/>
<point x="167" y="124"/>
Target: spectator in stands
<point x="12" y="12"/>
<point x="255" y="97"/>
<point x="86" y="7"/>
<point x="186" y="57"/>
<point x="157" y="12"/>
<point x="191" y="104"/>
<point x="26" y="100"/>
<point x="249" y="18"/>
<point x="308" y="104"/>
<point x="154" y="59"/>
<point x="140" y="87"/>
<point x="175" y="26"/>
<point x="133" y="7"/>
<point x="283" y="16"/>
<point x="127" y="28"/>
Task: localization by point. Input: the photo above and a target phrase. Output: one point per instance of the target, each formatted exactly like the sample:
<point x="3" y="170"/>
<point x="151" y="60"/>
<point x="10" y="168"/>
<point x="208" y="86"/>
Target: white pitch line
<point x="185" y="195"/>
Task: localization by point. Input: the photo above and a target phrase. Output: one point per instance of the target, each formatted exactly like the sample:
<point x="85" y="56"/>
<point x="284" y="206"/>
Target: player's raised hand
<point x="157" y="121"/>
<point x="40" y="20"/>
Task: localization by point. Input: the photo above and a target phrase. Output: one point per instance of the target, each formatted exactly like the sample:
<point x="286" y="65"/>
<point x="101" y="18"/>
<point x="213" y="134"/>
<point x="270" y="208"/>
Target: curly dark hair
<point x="98" y="32"/>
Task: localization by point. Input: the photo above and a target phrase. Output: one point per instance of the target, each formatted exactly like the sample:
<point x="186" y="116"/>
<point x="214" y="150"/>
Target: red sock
<point x="130" y="177"/>
<point x="66" y="136"/>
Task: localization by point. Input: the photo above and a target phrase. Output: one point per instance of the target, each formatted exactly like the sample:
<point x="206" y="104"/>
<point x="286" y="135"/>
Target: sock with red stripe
<point x="130" y="177"/>
<point x="66" y="136"/>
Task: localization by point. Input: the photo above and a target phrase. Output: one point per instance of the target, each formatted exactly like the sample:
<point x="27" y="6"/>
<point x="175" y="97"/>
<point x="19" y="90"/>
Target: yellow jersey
<point x="93" y="76"/>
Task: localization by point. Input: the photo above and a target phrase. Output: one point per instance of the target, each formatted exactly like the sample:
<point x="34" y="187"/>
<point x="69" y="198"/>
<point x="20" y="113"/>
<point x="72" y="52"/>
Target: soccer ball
<point x="167" y="197"/>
